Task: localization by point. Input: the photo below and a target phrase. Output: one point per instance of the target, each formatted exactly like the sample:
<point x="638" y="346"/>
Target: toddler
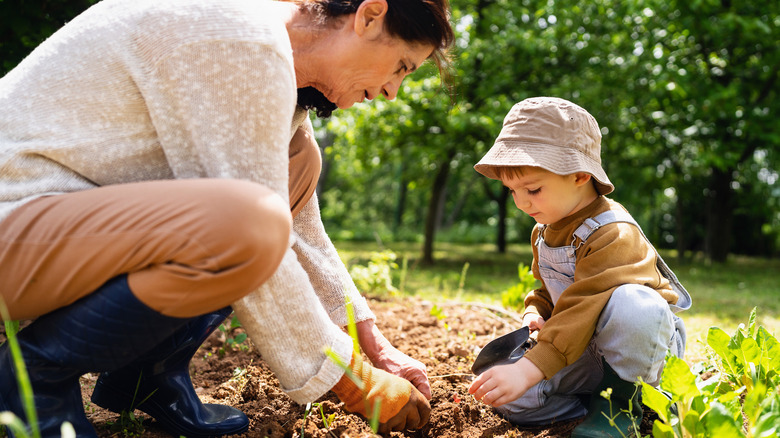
<point x="606" y="309"/>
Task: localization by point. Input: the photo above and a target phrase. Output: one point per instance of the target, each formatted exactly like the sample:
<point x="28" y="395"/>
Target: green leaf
<point x="661" y="430"/>
<point x="752" y="323"/>
<point x="720" y="422"/>
<point x="720" y="342"/>
<point x="771" y="348"/>
<point x="657" y="401"/>
<point x="678" y="380"/>
<point x="692" y="423"/>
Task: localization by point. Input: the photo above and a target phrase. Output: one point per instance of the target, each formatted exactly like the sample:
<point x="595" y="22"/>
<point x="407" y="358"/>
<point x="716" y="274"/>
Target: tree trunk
<point x="432" y="218"/>
<point x="720" y="212"/>
<point x="400" y="205"/>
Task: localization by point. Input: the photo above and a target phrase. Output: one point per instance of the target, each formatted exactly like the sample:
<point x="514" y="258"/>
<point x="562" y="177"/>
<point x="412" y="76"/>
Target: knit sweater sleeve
<point x="615" y="255"/>
<point x="327" y="272"/>
<point x="225" y="119"/>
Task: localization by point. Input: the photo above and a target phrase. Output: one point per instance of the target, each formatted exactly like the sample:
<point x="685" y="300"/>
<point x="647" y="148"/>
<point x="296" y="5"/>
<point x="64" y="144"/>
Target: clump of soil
<point x="447" y="343"/>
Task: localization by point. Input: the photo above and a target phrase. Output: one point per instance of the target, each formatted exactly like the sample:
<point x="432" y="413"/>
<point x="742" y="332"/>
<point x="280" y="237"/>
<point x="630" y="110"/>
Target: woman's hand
<point x="502" y="384"/>
<point x="384" y="356"/>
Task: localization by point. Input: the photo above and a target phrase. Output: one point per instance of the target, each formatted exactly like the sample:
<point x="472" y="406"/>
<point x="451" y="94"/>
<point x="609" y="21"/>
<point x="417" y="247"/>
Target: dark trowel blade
<point x="506" y="349"/>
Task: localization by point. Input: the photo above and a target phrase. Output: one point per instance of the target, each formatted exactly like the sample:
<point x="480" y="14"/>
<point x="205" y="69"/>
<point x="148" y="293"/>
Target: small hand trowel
<point x="506" y="349"/>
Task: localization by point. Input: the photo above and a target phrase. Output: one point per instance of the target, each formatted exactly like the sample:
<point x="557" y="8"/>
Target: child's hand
<point x="533" y="321"/>
<point x="505" y="383"/>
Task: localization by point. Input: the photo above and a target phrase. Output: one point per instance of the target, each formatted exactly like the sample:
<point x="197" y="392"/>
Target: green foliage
<point x="24" y="24"/>
<point x="376" y="277"/>
<point x="23" y="379"/>
<point x="127" y="425"/>
<point x="686" y="107"/>
<point x="741" y="400"/>
<point x="239" y="341"/>
<point x="326" y="419"/>
<point x="514" y="297"/>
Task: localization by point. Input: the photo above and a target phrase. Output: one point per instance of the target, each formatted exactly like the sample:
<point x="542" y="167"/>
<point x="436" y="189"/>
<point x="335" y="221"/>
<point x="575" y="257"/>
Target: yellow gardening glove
<point x="402" y="405"/>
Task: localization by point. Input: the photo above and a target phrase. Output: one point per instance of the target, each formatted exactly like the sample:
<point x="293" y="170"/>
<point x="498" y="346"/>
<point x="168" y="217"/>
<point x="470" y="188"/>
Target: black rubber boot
<point x="624" y="404"/>
<point x="103" y="331"/>
<point x="159" y="384"/>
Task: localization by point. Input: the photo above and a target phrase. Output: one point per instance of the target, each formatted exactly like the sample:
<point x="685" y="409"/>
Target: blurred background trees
<point x="686" y="93"/>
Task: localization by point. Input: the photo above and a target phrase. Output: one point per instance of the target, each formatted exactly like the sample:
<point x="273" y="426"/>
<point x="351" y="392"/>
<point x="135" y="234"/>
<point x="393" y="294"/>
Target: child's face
<point x="548" y="197"/>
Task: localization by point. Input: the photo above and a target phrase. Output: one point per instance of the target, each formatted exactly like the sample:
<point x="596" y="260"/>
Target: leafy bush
<point x="376" y="277"/>
<point x="739" y="400"/>
<point x="514" y="297"/>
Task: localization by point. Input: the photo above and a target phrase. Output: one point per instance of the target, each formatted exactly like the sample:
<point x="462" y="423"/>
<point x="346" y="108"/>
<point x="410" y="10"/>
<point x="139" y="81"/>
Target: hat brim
<point x="507" y="153"/>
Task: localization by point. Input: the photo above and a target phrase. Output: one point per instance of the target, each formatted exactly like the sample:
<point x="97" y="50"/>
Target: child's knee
<point x="635" y="304"/>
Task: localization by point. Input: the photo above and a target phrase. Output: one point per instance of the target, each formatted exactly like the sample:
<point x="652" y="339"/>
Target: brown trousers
<point x="188" y="246"/>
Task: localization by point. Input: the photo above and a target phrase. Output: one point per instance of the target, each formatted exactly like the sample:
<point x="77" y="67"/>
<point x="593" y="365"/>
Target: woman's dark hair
<point x="414" y="21"/>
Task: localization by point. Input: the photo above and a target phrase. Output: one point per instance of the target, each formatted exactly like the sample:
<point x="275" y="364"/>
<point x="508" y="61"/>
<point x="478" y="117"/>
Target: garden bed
<point x="446" y="338"/>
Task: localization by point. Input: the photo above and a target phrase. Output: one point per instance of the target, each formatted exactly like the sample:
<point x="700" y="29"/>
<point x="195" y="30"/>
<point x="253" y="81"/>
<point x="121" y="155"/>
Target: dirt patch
<point x="446" y="343"/>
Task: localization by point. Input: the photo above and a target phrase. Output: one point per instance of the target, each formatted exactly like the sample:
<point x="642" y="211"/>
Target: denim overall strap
<point x="556" y="266"/>
<point x="590" y="225"/>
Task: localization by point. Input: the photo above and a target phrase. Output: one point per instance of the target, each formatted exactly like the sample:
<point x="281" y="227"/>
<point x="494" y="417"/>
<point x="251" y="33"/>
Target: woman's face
<point x="370" y="69"/>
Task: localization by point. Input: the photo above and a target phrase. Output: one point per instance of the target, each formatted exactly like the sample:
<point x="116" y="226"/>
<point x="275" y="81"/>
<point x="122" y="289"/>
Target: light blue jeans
<point x="633" y="334"/>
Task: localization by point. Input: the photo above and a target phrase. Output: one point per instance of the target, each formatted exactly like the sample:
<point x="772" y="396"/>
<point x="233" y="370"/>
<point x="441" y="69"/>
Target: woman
<point x="155" y="170"/>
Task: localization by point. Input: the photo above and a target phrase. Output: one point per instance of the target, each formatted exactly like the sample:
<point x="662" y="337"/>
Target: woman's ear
<point x="369" y="18"/>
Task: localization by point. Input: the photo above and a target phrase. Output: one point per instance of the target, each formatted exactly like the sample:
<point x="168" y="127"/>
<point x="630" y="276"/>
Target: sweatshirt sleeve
<point x="615" y="255"/>
<point x="327" y="273"/>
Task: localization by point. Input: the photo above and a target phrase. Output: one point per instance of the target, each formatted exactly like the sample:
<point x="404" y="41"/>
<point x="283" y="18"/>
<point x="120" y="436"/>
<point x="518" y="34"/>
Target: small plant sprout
<point x="462" y="281"/>
<point x="128" y="425"/>
<point x="439" y="314"/>
<point x="327" y="420"/>
<point x="239" y="341"/>
<point x="331" y="354"/>
<point x="16" y="425"/>
<point x="607" y="394"/>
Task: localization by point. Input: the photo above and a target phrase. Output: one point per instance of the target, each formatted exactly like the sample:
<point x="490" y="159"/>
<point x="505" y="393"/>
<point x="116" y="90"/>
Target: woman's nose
<point x="390" y="89"/>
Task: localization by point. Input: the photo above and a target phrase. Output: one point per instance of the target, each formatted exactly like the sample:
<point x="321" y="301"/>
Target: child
<point x="605" y="311"/>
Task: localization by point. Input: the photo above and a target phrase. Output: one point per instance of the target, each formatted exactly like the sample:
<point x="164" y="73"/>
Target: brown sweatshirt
<point x="614" y="255"/>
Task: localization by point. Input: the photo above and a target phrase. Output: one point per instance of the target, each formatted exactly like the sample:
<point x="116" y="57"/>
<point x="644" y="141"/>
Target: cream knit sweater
<point x="135" y="90"/>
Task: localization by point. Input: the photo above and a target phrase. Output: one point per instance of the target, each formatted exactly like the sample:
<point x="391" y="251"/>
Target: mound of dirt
<point x="447" y="343"/>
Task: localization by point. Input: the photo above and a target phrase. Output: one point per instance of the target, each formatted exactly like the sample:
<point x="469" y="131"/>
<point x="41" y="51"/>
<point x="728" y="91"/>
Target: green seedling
<point x="16" y="425"/>
<point x="239" y="341"/>
<point x="462" y="281"/>
<point x="331" y="354"/>
<point x="128" y="424"/>
<point x="634" y="431"/>
<point x="327" y="420"/>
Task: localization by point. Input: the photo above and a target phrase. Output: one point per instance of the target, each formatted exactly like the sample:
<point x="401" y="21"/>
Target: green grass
<point x="723" y="294"/>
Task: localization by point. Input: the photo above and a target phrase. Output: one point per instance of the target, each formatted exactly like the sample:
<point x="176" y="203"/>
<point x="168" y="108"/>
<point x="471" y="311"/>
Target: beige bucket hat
<point x="550" y="133"/>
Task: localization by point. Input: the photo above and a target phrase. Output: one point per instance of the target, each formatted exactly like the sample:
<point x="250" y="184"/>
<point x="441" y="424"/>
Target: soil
<point x="447" y="343"/>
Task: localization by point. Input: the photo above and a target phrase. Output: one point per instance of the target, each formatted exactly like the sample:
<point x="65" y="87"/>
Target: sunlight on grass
<point x="723" y="294"/>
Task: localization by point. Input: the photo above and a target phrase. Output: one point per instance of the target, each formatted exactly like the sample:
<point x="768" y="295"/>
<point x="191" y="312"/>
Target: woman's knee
<point x="249" y="223"/>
